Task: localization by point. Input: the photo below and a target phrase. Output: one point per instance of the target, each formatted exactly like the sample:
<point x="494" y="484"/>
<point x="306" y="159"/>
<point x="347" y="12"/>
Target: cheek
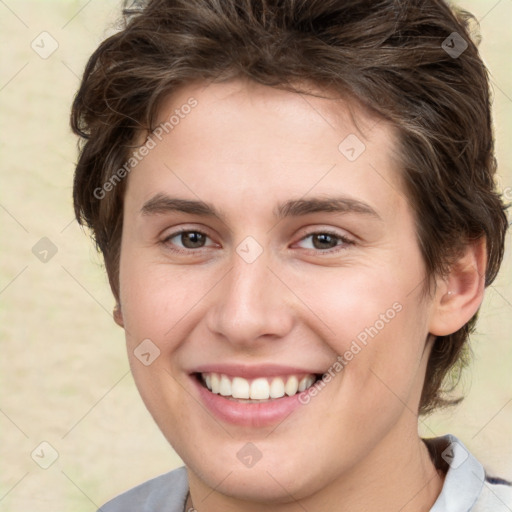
<point x="377" y="327"/>
<point x="157" y="307"/>
<point x="352" y="302"/>
<point x="155" y="299"/>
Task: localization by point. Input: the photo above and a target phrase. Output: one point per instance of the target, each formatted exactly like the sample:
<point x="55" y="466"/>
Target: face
<point x="267" y="241"/>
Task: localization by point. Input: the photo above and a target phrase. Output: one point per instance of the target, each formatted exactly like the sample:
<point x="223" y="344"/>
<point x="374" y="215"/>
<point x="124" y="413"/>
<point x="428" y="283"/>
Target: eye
<point x="324" y="241"/>
<point x="185" y="240"/>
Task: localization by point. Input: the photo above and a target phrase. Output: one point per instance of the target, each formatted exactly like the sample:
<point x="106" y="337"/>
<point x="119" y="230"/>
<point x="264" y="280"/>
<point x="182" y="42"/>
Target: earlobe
<point x="118" y="315"/>
<point x="460" y="293"/>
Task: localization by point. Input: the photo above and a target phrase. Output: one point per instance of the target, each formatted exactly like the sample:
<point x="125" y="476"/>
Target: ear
<point x="118" y="315"/>
<point x="460" y="293"/>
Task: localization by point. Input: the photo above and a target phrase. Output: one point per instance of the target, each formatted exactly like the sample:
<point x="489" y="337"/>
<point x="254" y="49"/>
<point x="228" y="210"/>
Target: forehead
<point x="272" y="115"/>
<point x="239" y="139"/>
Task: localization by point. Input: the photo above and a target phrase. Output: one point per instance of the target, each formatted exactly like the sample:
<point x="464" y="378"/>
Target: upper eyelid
<point x="345" y="240"/>
<point x="304" y="232"/>
<point x="172" y="232"/>
<point x="309" y="231"/>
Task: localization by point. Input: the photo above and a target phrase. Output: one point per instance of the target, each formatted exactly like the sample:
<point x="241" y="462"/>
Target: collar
<point x="465" y="476"/>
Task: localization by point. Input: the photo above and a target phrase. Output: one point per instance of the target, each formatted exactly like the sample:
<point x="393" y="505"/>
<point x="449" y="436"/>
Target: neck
<point x="398" y="474"/>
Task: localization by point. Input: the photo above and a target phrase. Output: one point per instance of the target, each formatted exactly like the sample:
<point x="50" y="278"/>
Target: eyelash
<point x="341" y="246"/>
<point x="166" y="241"/>
<point x="343" y="241"/>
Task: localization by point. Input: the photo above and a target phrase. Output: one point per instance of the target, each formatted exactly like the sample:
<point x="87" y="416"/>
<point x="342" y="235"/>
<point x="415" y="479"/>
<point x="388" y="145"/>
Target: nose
<point x="251" y="304"/>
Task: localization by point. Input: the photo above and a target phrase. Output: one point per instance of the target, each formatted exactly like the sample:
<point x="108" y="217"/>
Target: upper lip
<point x="254" y="371"/>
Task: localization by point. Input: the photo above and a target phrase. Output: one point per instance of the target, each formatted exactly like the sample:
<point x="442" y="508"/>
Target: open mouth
<point x="258" y="390"/>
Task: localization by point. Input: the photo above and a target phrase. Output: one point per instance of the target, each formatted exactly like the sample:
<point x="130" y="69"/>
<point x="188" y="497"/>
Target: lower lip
<point x="248" y="414"/>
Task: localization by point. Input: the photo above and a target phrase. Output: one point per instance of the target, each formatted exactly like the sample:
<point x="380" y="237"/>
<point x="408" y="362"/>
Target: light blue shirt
<point x="466" y="487"/>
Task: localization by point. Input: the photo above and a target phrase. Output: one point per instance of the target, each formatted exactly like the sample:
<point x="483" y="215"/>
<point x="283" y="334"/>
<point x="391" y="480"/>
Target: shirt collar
<point x="464" y="478"/>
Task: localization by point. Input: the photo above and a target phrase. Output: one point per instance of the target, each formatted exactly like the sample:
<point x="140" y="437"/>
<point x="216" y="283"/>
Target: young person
<point x="295" y="202"/>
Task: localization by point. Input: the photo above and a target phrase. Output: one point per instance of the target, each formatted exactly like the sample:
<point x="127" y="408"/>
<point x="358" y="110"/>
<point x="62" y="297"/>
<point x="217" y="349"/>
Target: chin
<point x="271" y="480"/>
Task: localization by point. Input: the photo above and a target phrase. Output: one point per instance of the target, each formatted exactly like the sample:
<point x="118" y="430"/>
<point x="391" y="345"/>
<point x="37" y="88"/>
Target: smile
<point x="256" y="390"/>
<point x="252" y="396"/>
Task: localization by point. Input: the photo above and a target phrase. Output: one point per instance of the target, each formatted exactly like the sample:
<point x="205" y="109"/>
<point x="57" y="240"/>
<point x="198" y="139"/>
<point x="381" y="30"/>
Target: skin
<point x="244" y="149"/>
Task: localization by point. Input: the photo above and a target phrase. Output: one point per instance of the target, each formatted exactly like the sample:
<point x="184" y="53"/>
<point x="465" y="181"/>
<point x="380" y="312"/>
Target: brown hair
<point x="393" y="56"/>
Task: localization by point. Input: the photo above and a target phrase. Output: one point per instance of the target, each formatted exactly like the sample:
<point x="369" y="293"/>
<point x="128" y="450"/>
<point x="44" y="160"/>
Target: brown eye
<point x="192" y="239"/>
<point x="187" y="240"/>
<point x="324" y="241"/>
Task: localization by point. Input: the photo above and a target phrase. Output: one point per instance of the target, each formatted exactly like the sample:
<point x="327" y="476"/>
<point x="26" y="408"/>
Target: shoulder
<point x="163" y="493"/>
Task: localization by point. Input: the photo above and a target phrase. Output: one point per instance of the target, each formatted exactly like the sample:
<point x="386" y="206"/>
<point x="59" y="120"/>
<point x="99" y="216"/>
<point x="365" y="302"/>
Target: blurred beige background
<point x="64" y="372"/>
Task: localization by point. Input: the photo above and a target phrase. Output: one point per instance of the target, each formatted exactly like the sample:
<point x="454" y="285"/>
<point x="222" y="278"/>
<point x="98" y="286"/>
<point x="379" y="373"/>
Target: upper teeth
<point x="257" y="389"/>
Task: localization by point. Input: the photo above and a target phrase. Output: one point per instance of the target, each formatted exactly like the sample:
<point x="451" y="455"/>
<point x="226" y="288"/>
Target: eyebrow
<point x="297" y="207"/>
<point x="161" y="204"/>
